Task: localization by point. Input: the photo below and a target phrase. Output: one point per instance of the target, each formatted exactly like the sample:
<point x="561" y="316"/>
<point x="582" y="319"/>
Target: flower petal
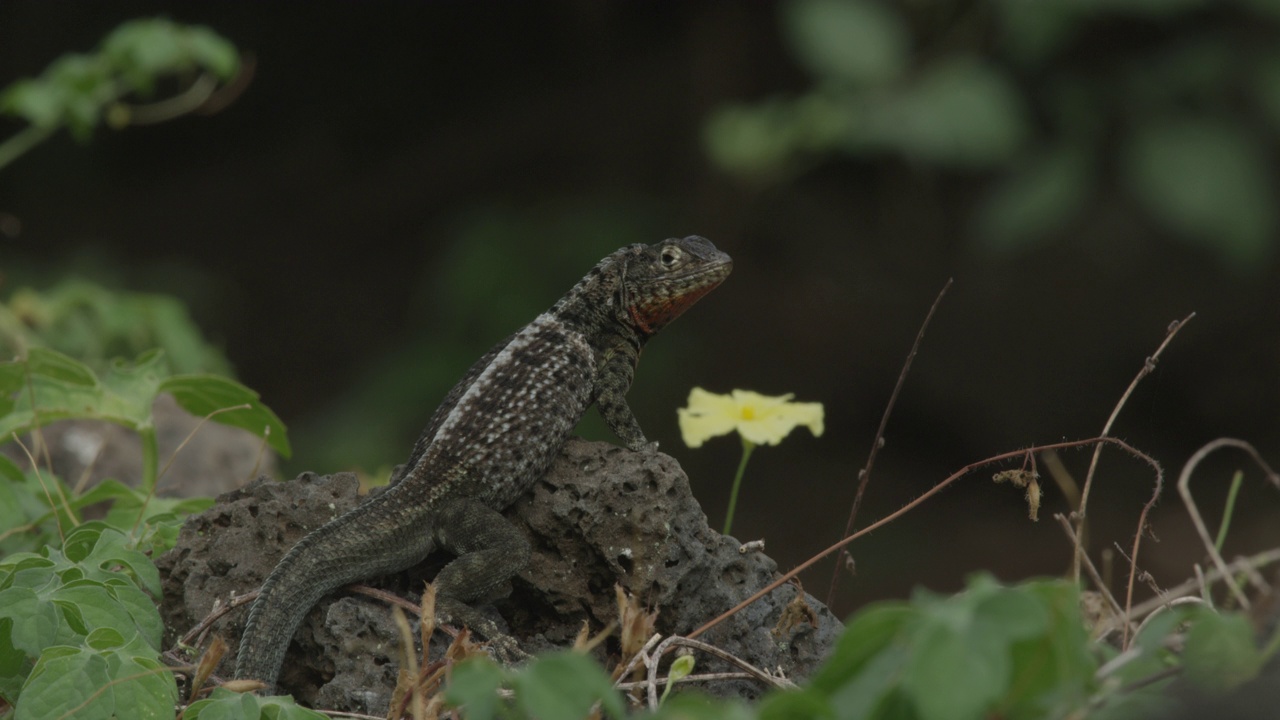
<point x="707" y="416"/>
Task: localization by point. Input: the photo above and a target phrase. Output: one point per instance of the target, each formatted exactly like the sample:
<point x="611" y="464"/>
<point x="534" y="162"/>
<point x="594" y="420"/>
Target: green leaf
<point x="1221" y="653"/>
<point x="142" y="685"/>
<point x="1036" y="199"/>
<point x="58" y="367"/>
<point x="962" y="111"/>
<point x="848" y="40"/>
<point x="565" y="685"/>
<point x="15" y="664"/>
<point x="36" y="623"/>
<point x="104" y="638"/>
<point x="868" y="634"/>
<point x="103" y="548"/>
<point x="691" y="705"/>
<point x="877" y="685"/>
<point x="202" y="395"/>
<point x="1206" y="180"/>
<point x="64" y="388"/>
<point x="212" y="51"/>
<point x="142" y="50"/>
<point x="1266" y="86"/>
<point x="39" y="103"/>
<point x="474" y="687"/>
<point x="223" y="704"/>
<point x="67" y="681"/>
<point x="803" y="703"/>
<point x="955" y="673"/>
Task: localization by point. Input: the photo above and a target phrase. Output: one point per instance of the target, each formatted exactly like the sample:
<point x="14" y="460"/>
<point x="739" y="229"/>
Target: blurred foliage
<point x="1052" y="102"/>
<point x="499" y="268"/>
<point x="78" y="90"/>
<point x="95" y="325"/>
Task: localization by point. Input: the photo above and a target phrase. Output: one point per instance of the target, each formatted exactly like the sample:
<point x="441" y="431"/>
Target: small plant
<point x="79" y="628"/>
<point x="79" y="91"/>
<point x="758" y="420"/>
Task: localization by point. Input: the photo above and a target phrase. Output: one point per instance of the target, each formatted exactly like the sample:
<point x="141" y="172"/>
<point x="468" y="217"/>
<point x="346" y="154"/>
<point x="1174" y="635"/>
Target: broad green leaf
<point x="868" y="634"/>
<point x="1036" y="199"/>
<point x="848" y="40"/>
<point x="140" y="608"/>
<point x="282" y="707"/>
<point x="1010" y="614"/>
<point x="803" y="703"/>
<point x="1204" y="179"/>
<point x="877" y="685"/>
<point x="212" y="51"/>
<point x="1221" y="652"/>
<point x="690" y="705"/>
<point x="36" y="623"/>
<point x="202" y="395"/>
<point x="962" y="112"/>
<point x="103" y="548"/>
<point x="9" y="473"/>
<point x="104" y="638"/>
<point x="1266" y="86"/>
<point x="142" y="686"/>
<point x="67" y="681"/>
<point x="1054" y="671"/>
<point x="64" y="388"/>
<point x="56" y="366"/>
<point x="565" y="685"/>
<point x="225" y="705"/>
<point x="955" y="673"/>
<point x="39" y="103"/>
<point x="473" y="686"/>
<point x="15" y="664"/>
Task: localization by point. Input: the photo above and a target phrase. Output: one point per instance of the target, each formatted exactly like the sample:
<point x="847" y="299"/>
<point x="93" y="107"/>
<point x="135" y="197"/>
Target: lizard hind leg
<point x="490" y="551"/>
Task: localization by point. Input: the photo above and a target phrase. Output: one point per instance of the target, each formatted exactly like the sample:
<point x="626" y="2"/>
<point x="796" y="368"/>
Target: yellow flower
<point x="759" y="419"/>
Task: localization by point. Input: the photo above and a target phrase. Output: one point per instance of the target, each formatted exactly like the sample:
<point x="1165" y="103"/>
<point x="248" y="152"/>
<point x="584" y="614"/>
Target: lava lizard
<point x="494" y="436"/>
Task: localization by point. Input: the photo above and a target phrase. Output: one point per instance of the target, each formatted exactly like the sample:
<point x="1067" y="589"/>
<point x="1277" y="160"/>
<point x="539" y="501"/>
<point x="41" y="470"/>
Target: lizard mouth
<point x="675" y="294"/>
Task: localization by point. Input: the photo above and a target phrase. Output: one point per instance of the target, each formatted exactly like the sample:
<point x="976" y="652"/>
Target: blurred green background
<point x="401" y="185"/>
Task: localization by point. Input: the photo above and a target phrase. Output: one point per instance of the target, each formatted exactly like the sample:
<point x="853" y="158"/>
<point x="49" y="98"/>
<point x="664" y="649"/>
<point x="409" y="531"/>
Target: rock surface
<point x="214" y="459"/>
<point x="602" y="516"/>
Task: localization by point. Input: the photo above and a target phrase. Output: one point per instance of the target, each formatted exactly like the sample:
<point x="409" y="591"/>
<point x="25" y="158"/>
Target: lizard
<point x="492" y="438"/>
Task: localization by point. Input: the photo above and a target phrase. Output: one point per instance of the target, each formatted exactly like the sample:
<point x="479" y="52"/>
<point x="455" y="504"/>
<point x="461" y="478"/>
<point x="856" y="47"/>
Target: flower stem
<point x="747" y="447"/>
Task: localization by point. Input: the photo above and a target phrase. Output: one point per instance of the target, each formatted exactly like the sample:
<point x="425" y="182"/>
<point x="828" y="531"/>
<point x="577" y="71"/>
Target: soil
<point x="603" y="516"/>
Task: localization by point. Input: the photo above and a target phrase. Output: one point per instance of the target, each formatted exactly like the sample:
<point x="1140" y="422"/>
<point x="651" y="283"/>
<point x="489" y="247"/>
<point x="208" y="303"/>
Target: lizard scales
<point x="494" y="435"/>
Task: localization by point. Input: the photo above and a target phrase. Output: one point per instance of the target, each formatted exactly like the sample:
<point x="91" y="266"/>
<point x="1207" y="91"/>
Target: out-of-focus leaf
<point x="1266" y="84"/>
<point x="1033" y="31"/>
<point x="1035" y="199"/>
<point x="1205" y="180"/>
<point x="1221" y="652"/>
<point x="962" y="112"/>
<point x="203" y="395"/>
<point x="848" y="40"/>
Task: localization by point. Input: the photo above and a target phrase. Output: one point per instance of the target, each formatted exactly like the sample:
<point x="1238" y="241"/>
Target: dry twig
<point x="1184" y="490"/>
<point x="865" y="475"/>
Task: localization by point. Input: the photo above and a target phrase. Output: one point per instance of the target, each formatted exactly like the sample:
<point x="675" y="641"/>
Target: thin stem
<point x="747" y="447"/>
<point x="150" y="459"/>
<point x="878" y="442"/>
<point x="1236" y="481"/>
<point x="19" y="144"/>
<point x="1159" y="471"/>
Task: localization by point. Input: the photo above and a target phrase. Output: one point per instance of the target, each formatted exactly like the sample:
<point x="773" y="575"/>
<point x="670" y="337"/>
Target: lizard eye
<point x="670" y="256"/>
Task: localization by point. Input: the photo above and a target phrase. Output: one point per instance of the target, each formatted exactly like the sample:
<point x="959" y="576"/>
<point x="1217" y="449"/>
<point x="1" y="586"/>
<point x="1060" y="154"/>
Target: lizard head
<point x="660" y="281"/>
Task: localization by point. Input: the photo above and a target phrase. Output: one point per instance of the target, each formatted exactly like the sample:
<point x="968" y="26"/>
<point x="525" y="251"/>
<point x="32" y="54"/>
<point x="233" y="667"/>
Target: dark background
<point x="403" y="184"/>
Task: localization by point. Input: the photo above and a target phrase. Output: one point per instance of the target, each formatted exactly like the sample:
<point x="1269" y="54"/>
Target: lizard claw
<point x="505" y="650"/>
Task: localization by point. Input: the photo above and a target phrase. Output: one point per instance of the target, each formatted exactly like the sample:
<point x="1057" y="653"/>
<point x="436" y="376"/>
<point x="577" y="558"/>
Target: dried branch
<point x="865" y="475"/>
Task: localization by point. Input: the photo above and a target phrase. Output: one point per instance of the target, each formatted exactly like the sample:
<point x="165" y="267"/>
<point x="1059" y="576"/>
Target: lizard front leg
<point x="613" y="379"/>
